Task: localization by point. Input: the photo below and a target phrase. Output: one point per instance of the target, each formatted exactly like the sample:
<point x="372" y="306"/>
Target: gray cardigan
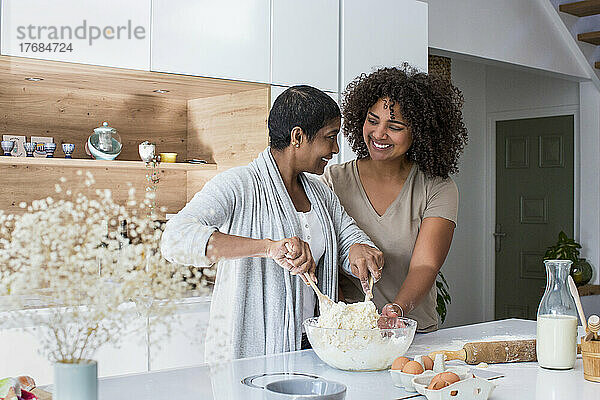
<point x="257" y="305"/>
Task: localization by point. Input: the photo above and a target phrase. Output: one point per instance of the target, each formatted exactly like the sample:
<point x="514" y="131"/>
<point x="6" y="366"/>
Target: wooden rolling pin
<point x="494" y="352"/>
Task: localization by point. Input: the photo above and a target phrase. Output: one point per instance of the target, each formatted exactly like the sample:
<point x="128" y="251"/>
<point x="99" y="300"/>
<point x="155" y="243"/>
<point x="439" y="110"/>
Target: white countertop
<point x="521" y="381"/>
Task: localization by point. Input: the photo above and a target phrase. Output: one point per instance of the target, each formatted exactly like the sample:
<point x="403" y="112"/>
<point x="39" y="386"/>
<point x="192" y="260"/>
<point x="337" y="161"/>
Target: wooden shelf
<point x="589" y="290"/>
<point x="581" y="8"/>
<point x="590" y="37"/>
<point x="220" y="121"/>
<point x="91" y="164"/>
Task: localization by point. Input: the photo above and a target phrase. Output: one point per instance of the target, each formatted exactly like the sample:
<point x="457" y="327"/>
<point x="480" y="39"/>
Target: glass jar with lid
<point x="105" y="143"/>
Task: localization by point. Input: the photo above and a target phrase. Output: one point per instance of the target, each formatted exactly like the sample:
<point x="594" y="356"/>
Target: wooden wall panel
<point x="221" y="121"/>
<point x="197" y="179"/>
<point x="228" y="130"/>
<point x="30" y="182"/>
<point x="70" y="115"/>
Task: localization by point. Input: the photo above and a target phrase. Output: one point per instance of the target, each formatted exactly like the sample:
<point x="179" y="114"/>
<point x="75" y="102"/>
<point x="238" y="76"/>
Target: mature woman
<point x="267" y="224"/>
<point x="407" y="131"/>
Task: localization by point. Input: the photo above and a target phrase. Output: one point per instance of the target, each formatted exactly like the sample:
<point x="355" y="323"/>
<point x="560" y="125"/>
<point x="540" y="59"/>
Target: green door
<point x="534" y="201"/>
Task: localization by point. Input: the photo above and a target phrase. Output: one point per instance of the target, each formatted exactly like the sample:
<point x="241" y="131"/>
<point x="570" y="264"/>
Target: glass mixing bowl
<point x="360" y="350"/>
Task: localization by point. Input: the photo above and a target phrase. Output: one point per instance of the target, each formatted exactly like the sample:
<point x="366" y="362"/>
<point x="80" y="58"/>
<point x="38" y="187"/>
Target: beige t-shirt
<point x="395" y="232"/>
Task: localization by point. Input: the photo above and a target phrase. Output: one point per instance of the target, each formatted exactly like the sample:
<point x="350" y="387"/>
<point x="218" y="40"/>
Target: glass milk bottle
<point x="556" y="344"/>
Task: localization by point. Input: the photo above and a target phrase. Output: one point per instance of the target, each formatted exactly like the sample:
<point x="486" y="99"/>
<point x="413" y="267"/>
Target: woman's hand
<point x="365" y="259"/>
<point x="390" y="317"/>
<point x="293" y="254"/>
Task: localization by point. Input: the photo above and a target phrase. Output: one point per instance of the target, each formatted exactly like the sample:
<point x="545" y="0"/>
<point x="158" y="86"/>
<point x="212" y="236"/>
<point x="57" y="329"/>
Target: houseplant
<point x="94" y="283"/>
<point x="443" y="296"/>
<point x="568" y="249"/>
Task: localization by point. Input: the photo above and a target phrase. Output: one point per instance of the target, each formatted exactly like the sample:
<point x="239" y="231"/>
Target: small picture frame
<point x="19" y="149"/>
<point x="41" y="139"/>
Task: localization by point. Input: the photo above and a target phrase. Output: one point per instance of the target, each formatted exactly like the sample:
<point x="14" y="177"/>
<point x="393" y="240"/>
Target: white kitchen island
<point x="224" y="382"/>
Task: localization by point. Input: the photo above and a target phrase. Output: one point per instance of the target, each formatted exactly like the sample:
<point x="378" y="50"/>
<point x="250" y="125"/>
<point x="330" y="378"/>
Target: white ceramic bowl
<point x="360" y="350"/>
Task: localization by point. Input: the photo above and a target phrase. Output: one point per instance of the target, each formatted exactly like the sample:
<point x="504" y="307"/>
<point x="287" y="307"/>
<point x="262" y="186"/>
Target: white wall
<point x="589" y="229"/>
<point x="463" y="267"/>
<point x="509" y="90"/>
<point x="520" y="32"/>
<point x="489" y="91"/>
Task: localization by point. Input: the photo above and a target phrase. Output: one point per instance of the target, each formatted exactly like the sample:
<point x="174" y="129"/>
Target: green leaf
<point x="562" y="236"/>
<point x="565" y="249"/>
<point x="443" y="296"/>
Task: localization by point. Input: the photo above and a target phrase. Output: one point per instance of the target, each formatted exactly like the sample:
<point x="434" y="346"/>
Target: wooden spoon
<point x="369" y="294"/>
<point x="575" y="295"/>
<point x="593" y="328"/>
<point x="324" y="301"/>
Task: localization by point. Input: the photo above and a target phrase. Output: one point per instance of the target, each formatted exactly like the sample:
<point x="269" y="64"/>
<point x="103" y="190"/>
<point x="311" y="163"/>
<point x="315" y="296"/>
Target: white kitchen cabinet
<point x="305" y="43"/>
<point x="277" y="90"/>
<point x="345" y="151"/>
<point x="382" y="33"/>
<point x="222" y="39"/>
<point x="112" y="33"/>
<point x="184" y="346"/>
<point x="20" y="354"/>
<point x="129" y="355"/>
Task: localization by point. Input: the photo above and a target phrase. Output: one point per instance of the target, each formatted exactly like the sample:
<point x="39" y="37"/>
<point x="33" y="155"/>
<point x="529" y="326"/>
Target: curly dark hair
<point x="430" y="105"/>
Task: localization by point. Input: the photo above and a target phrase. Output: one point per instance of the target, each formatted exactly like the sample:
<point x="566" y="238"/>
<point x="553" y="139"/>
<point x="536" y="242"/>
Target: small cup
<point x="39" y="149"/>
<point x="168" y="157"/>
<point x="7" y="146"/>
<point x="68" y="149"/>
<point x="29" y="148"/>
<point x="147" y="151"/>
<point x="49" y="148"/>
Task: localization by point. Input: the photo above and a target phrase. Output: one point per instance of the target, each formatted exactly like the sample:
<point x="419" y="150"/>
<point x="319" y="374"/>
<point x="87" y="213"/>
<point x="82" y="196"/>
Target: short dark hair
<point x="304" y="106"/>
<point x="430" y="105"/>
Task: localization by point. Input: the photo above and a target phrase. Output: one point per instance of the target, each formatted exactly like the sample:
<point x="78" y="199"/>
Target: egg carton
<point x="472" y="388"/>
<point x="406" y="381"/>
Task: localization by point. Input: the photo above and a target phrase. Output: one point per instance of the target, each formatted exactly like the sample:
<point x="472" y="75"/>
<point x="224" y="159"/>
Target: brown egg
<point x="449" y="377"/>
<point x="442" y="380"/>
<point x="436" y="383"/>
<point x="400" y="362"/>
<point x="428" y="362"/>
<point x="413" y="367"/>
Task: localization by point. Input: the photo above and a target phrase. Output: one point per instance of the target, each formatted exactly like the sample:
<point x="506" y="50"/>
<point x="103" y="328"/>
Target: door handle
<point x="498" y="235"/>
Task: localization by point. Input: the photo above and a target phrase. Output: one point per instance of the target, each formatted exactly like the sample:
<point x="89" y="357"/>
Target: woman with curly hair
<point x="407" y="131"/>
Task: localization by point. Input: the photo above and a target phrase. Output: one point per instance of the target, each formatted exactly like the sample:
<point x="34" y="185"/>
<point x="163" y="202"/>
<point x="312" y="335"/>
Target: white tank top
<point x="312" y="233"/>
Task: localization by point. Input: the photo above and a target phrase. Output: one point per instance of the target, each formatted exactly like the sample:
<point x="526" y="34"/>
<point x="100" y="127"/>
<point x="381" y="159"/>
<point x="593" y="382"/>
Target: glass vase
<point x="76" y="381"/>
<point x="556" y="345"/>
